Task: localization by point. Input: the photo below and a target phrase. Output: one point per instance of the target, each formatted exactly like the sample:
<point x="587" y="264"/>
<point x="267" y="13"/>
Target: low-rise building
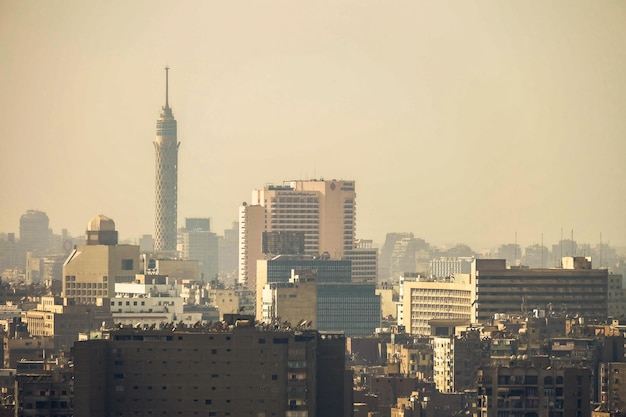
<point x="530" y="389"/>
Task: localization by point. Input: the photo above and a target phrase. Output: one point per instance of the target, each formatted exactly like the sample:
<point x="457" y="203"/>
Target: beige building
<point x="251" y="228"/>
<point x="294" y="302"/>
<point x="575" y="288"/>
<point x="63" y="323"/>
<point x="387" y="304"/>
<point x="364" y="259"/>
<point x="31" y="348"/>
<point x="323" y="210"/>
<point x="422" y="300"/>
<point x="91" y="270"/>
<point x="225" y="299"/>
<point x="175" y="269"/>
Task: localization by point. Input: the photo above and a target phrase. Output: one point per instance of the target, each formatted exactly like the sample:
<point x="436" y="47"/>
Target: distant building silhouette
<point x="200" y="244"/>
<point x="228" y="252"/>
<point x="34" y="231"/>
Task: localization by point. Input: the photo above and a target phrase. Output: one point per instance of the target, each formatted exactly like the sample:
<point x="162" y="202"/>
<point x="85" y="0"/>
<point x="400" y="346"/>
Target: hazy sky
<point x="460" y="121"/>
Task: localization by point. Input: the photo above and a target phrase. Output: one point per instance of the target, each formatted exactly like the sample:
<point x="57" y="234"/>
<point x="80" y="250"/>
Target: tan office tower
<point x="91" y="270"/>
<point x="324" y="211"/>
<point x="166" y="178"/>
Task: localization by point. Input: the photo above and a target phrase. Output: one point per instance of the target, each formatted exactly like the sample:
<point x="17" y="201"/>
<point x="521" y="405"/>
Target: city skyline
<point x="476" y="124"/>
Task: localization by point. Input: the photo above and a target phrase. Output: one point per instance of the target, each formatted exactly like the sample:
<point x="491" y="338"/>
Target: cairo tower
<point x="166" y="178"/>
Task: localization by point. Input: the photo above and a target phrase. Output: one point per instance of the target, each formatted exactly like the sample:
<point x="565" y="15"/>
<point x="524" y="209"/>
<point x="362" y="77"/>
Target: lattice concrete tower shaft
<point x="166" y="178"/>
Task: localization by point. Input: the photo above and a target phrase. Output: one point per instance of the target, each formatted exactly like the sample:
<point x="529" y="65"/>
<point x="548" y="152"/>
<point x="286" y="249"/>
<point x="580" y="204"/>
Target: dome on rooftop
<point x="100" y="223"/>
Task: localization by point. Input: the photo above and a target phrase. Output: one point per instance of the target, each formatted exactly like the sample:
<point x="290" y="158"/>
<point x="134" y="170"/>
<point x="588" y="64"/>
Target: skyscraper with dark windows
<point x="166" y="178"/>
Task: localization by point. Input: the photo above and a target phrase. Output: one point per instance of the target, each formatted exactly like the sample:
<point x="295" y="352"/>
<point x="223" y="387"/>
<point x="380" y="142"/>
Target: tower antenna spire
<point x="167" y="105"/>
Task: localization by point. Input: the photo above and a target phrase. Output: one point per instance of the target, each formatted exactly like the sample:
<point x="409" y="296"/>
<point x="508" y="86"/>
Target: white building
<point x="422" y="300"/>
<point x="449" y="266"/>
<point x="149" y="300"/>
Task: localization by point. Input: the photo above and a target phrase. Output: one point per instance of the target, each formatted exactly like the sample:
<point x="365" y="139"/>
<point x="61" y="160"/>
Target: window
<point x="127" y="264"/>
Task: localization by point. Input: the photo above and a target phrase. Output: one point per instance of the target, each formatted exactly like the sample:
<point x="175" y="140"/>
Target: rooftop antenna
<point x="167" y="70"/>
<point x="561" y="245"/>
<point x="600" y="249"/>
<point x="515" y="248"/>
<point x="542" y="251"/>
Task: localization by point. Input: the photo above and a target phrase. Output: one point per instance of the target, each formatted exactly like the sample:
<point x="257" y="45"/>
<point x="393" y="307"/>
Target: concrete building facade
<point x="237" y="371"/>
<point x="364" y="259"/>
<point x="251" y="228"/>
<point x="423" y="300"/>
<point x="456" y="360"/>
<point x="534" y="390"/>
<point x="574" y="288"/>
<point x="449" y="266"/>
<point x="294" y="302"/>
<point x="91" y="271"/>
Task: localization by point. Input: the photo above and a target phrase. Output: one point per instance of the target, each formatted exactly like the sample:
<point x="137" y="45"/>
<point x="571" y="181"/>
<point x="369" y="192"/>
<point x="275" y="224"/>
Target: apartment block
<point x="531" y="390"/>
<point x="575" y="288"/>
<point x="236" y="370"/>
<point x="422" y="300"/>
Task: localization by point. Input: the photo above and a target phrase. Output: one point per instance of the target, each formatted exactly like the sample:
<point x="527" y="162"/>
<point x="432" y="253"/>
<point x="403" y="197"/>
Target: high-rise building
<point x="398" y="255"/>
<point x="324" y="210"/>
<point x="364" y="259"/>
<point x="91" y="271"/>
<point x="202" y="246"/>
<point x="251" y="227"/>
<point x="34" y="231"/>
<point x="228" y="246"/>
<point x="340" y="305"/>
<point x="166" y="178"/>
<point x="199" y="243"/>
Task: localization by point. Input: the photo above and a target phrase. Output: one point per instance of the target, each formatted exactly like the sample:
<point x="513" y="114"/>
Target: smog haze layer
<point x="459" y="121"/>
